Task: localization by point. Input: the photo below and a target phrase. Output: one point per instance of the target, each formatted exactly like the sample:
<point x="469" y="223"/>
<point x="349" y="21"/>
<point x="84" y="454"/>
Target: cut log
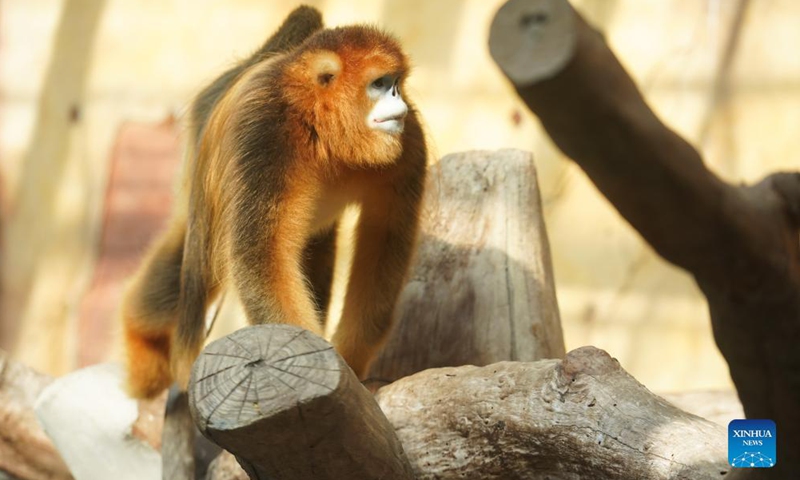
<point x="25" y="451"/>
<point x="89" y="417"/>
<point x="481" y="289"/>
<point x="583" y="417"/>
<point x="288" y="406"/>
<point x="740" y="243"/>
<point x="521" y="27"/>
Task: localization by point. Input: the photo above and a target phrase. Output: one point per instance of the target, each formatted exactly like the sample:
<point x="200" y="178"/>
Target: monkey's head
<point x="347" y="84"/>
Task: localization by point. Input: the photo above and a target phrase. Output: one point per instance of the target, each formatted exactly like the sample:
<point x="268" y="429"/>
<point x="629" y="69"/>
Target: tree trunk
<point x="739" y="242"/>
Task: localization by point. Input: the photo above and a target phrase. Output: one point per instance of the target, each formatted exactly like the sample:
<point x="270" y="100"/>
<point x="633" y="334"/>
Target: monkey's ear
<point x="325" y="66"/>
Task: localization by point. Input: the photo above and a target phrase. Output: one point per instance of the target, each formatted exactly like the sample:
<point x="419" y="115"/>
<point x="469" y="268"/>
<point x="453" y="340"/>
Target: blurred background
<point x="92" y="94"/>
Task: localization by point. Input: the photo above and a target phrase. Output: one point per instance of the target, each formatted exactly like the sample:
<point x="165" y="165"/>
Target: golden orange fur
<point x="284" y="147"/>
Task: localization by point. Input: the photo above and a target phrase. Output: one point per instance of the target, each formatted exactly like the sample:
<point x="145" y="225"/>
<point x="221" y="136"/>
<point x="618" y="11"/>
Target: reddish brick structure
<point x="144" y="164"/>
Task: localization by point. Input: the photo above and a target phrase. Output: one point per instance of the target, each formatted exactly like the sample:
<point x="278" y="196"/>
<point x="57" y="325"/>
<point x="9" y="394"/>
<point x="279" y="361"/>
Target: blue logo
<point x="751" y="443"/>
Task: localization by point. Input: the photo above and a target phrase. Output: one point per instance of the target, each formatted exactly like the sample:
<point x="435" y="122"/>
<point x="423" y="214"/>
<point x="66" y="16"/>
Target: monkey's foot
<point x="358" y="357"/>
<point x="147" y="363"/>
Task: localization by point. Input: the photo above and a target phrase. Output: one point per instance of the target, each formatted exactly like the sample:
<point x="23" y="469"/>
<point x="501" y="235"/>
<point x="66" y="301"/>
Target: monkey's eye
<point x="386" y="84"/>
<point x="380" y="83"/>
<point x="383" y="83"/>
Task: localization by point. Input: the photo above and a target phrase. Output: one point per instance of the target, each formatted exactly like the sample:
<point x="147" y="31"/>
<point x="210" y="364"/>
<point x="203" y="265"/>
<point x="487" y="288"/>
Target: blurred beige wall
<point x="72" y="71"/>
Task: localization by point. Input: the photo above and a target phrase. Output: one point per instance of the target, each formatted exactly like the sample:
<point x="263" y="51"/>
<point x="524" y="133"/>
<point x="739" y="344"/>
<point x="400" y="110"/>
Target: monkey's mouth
<point x="392" y="124"/>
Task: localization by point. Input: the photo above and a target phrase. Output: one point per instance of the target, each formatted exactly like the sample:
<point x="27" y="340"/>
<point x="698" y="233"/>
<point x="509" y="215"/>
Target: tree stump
<point x="481" y="289"/>
<point x="288" y="406"/>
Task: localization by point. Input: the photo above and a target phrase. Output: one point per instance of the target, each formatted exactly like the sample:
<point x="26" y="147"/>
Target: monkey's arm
<point x="385" y="240"/>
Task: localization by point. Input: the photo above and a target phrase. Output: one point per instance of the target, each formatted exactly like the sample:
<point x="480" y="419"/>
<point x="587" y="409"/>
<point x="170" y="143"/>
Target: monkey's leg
<point x="384" y="244"/>
<point x="149" y="310"/>
<point x="318" y="263"/>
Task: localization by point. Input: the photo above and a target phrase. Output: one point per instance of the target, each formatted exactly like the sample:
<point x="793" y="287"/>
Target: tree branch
<point x="581" y="417"/>
<point x="740" y="243"/>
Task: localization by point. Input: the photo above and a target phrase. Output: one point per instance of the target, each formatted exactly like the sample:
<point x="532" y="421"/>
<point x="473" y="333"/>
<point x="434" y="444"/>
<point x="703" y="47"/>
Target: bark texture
<point x="481" y="289"/>
<point x="739" y="242"/>
<point x="288" y="406"/>
<point x="581" y="417"/>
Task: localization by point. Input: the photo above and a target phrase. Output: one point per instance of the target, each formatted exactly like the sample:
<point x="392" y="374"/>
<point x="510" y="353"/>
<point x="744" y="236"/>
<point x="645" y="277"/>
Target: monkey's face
<point x="356" y="87"/>
<point x="347" y="85"/>
<point x="388" y="110"/>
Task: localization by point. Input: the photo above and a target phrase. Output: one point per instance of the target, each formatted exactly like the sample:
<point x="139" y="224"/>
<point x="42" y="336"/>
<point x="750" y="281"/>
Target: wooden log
<point x="177" y="455"/>
<point x="288" y="406"/>
<point x="583" y="417"/>
<point x="89" y="417"/>
<point x="226" y="467"/>
<point x="25" y="451"/>
<point x="481" y="289"/>
<point x="184" y="453"/>
<point x="739" y="242"/>
<point x="522" y="27"/>
<point x="718" y="406"/>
